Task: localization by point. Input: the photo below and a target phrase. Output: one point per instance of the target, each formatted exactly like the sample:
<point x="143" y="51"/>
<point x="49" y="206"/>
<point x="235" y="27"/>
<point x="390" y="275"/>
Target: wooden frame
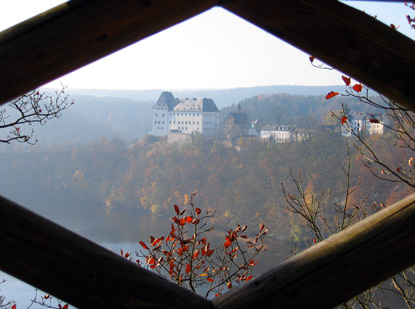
<point x="84" y="274"/>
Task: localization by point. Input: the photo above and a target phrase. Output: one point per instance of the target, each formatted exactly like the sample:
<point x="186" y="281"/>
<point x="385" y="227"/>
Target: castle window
<point x="178" y="122"/>
<point x="156" y="115"/>
<point x="155" y="122"/>
<point x="163" y="122"/>
<point x="162" y="115"/>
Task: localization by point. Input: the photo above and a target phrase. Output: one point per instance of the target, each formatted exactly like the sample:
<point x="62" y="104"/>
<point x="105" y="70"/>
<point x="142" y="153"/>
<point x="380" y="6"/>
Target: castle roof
<point x="167" y="100"/>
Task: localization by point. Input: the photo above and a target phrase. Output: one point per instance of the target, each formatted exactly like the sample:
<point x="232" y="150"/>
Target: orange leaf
<point x="331" y="94"/>
<point x="189" y="219"/>
<point x="143" y="245"/>
<point x="346" y="80"/>
<point x="357" y="87"/>
<point x="202" y="275"/>
<point x="249" y="278"/>
<point x="188" y="268"/>
<point x="210" y="279"/>
<point x="229" y="285"/>
<point x="227" y="243"/>
<point x="344" y="119"/>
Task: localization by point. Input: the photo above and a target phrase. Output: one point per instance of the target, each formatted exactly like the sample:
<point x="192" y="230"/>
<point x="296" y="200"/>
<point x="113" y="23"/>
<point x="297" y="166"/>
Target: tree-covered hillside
<point x="243" y="186"/>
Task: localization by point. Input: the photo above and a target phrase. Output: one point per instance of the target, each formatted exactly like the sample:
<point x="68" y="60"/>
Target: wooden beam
<point x="79" y="271"/>
<point x="79" y="32"/>
<point x="337" y="269"/>
<point x="341" y="36"/>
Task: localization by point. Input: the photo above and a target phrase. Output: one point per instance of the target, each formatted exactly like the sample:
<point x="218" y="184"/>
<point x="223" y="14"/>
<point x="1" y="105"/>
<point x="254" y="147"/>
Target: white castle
<point x="186" y="116"/>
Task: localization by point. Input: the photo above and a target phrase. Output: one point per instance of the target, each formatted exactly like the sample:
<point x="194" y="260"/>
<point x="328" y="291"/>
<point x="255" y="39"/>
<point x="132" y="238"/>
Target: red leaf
<point x="249" y="278"/>
<point x="311" y="58"/>
<point x="331" y="94"/>
<point x="198" y="211"/>
<point x="182" y="222"/>
<point x="344" y="119"/>
<point x="65" y="306"/>
<point x="14" y="306"/>
<point x="227" y="242"/>
<point x="189" y="219"/>
<point x="127" y="255"/>
<point x="346" y="80"/>
<point x="357" y="87"/>
<point x="210" y="279"/>
<point x="188" y="268"/>
<point x="143" y="245"/>
<point x="374" y="120"/>
<point x="176" y="209"/>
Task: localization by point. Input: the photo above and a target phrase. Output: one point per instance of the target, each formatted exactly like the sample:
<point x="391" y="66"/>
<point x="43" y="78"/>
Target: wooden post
<point x="343" y="37"/>
<point x="79" y="32"/>
<point x="79" y="271"/>
<point x="338" y="268"/>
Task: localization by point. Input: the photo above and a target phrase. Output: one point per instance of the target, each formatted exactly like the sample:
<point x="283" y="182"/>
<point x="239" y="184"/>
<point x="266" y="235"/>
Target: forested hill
<point x="301" y="110"/>
<point x="243" y="186"/>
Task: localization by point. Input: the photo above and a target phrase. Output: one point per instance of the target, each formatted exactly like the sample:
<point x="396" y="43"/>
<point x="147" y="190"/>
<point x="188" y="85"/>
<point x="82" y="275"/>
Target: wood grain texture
<point x="337" y="269"/>
<point x="79" y="32"/>
<point x="79" y="271"/>
<point x="341" y="36"/>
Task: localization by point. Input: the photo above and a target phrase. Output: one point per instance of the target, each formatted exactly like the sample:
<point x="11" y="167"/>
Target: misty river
<point x="113" y="229"/>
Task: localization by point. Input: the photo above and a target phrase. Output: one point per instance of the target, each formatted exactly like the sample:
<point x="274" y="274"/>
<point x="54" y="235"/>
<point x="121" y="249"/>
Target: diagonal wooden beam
<point x="79" y="32"/>
<point x="337" y="269"/>
<point x="341" y="36"/>
<point x="77" y="270"/>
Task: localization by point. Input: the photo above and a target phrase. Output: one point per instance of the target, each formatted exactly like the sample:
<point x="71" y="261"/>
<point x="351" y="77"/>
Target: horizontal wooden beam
<point x="79" y="271"/>
<point x="337" y="269"/>
<point x="341" y="36"/>
<point x="79" y="32"/>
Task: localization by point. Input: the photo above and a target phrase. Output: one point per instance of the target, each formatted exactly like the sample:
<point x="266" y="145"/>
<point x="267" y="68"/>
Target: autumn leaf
<point x="331" y="94"/>
<point x="229" y="285"/>
<point x="374" y="120"/>
<point x="344" y="119"/>
<point x="14" y="306"/>
<point x="189" y="219"/>
<point x="198" y="211"/>
<point x="357" y="87"/>
<point x="188" y="268"/>
<point x="176" y="209"/>
<point x="143" y="245"/>
<point x="311" y="58"/>
<point x="346" y="80"/>
<point x="227" y="242"/>
<point x="210" y="279"/>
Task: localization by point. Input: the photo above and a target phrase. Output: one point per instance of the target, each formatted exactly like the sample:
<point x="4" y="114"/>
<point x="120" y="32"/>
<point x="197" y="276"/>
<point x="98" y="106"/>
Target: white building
<point x="366" y="124"/>
<point x="275" y="133"/>
<point x="185" y="116"/>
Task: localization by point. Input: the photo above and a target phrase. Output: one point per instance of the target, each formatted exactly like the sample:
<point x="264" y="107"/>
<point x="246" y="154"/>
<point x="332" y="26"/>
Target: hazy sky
<point x="213" y="50"/>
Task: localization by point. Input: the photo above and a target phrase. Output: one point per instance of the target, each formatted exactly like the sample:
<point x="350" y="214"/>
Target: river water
<point x="113" y="229"/>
